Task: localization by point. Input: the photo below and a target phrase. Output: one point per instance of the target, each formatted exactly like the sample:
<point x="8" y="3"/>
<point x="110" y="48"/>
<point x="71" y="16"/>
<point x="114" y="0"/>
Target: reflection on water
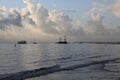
<point x="33" y="56"/>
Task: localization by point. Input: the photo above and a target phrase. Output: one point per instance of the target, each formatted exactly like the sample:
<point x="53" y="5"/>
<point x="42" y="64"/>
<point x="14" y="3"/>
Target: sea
<point x="23" y="57"/>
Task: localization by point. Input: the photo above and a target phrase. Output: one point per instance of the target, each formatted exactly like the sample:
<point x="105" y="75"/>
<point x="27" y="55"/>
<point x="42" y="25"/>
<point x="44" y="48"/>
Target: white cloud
<point x="95" y="24"/>
<point x="37" y="21"/>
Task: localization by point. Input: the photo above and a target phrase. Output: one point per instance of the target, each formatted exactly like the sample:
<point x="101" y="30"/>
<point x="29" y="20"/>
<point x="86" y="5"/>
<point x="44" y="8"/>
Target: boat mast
<point x="60" y="39"/>
<point x="65" y="40"/>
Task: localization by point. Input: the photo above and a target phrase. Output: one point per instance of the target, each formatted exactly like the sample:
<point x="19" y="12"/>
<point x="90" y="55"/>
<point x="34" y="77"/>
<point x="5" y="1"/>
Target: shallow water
<point x="33" y="56"/>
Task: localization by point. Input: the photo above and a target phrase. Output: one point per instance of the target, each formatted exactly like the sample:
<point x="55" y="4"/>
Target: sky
<point x="47" y="20"/>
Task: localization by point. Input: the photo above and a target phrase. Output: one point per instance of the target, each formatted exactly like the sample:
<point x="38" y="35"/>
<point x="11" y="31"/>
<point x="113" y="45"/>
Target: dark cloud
<point x="13" y="18"/>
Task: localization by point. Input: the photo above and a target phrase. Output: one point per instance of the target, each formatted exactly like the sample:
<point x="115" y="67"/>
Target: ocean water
<point x="33" y="56"/>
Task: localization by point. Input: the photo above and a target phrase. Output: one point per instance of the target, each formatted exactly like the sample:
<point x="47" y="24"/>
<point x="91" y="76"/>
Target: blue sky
<point x="11" y="4"/>
<point x="79" y="5"/>
<point x="60" y="4"/>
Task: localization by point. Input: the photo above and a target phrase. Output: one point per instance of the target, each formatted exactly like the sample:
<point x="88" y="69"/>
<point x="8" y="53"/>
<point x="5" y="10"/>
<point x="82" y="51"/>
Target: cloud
<point x="116" y="8"/>
<point x="3" y="10"/>
<point x="13" y="18"/>
<point x="96" y="28"/>
<point x="99" y="8"/>
<point x="35" y="22"/>
<point x="96" y="24"/>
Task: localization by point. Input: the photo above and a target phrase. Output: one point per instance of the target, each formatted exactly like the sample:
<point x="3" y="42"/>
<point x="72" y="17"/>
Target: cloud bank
<point x="36" y="23"/>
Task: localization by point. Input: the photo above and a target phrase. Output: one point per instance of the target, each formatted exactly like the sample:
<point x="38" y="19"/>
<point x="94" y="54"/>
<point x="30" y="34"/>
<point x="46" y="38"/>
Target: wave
<point x="57" y="59"/>
<point x="98" y="56"/>
<point x="48" y="70"/>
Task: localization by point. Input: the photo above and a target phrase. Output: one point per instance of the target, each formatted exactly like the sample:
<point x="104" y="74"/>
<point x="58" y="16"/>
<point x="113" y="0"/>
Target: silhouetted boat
<point x="62" y="41"/>
<point x="22" y="42"/>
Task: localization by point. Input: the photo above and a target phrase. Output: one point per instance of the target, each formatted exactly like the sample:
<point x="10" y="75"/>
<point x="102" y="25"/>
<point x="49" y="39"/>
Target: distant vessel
<point x="64" y="41"/>
<point x="22" y="42"/>
<point x="15" y="45"/>
<point x="34" y="42"/>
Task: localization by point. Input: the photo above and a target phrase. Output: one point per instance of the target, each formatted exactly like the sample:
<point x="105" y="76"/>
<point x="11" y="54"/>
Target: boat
<point x="62" y="41"/>
<point x="34" y="42"/>
<point x="22" y="42"/>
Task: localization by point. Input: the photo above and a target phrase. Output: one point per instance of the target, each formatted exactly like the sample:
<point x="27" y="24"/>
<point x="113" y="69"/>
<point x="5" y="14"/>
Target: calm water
<point x="33" y="56"/>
